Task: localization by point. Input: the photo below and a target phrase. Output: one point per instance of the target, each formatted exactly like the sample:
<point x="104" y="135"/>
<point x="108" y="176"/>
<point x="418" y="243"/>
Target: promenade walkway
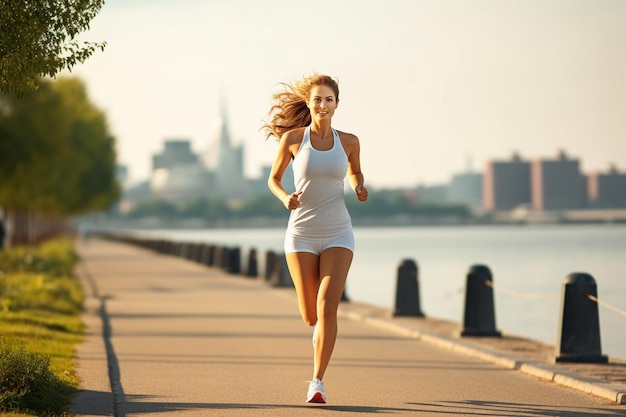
<point x="169" y="337"/>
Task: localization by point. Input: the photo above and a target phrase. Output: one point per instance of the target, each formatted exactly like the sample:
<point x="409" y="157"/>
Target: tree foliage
<point x="381" y="204"/>
<point x="56" y="153"/>
<point x="38" y="38"/>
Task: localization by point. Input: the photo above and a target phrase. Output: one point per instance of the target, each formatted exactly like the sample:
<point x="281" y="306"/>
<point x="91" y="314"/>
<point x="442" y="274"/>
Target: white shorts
<point x="317" y="245"/>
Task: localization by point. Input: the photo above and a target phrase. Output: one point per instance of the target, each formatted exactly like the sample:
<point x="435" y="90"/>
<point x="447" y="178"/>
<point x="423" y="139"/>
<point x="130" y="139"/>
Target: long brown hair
<point x="290" y="110"/>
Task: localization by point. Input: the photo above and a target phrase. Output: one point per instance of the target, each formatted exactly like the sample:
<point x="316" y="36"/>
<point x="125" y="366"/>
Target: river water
<point x="528" y="264"/>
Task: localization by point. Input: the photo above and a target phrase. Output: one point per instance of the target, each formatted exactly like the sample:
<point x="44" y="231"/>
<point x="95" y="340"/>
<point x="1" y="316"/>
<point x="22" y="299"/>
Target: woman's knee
<point x="327" y="309"/>
<point x="311" y="321"/>
<point x="309" y="315"/>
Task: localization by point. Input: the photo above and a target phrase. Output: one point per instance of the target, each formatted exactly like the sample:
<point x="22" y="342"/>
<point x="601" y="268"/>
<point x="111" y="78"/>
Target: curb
<point x="543" y="371"/>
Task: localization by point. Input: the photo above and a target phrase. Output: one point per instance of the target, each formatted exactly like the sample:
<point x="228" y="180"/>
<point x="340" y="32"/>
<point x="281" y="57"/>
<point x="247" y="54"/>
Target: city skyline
<point x="219" y="147"/>
<point x="515" y="189"/>
<point x="427" y="86"/>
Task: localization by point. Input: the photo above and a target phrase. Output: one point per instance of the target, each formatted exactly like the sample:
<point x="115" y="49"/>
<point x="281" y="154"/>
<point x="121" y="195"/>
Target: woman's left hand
<point x="361" y="193"/>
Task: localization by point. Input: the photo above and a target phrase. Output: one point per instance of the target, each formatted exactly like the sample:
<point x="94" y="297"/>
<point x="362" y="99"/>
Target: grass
<point x="40" y="322"/>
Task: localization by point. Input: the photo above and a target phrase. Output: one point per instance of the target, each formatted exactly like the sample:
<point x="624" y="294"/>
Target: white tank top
<point x="320" y="175"/>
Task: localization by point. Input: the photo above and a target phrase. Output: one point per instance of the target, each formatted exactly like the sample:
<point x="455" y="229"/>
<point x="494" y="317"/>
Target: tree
<point x="56" y="153"/>
<point x="38" y="38"/>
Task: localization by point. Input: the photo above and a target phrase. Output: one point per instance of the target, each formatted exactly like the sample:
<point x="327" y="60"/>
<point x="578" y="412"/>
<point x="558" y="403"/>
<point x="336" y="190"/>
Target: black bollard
<point x="407" y="290"/>
<point x="185" y="250"/>
<point x="174" y="248"/>
<point x="479" y="318"/>
<point x="579" y="335"/>
<point x="181" y="250"/>
<point x="195" y="253"/>
<point x="162" y="246"/>
<point x="189" y="248"/>
<point x="269" y="265"/>
<point x="217" y="256"/>
<point x="225" y="258"/>
<point x="253" y="268"/>
<point x="280" y="276"/>
<point x="204" y="254"/>
<point x="234" y="266"/>
<point x="211" y="257"/>
<point x="195" y="250"/>
<point x="168" y="247"/>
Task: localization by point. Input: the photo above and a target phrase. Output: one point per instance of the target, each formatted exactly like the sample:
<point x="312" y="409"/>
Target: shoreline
<point x="508" y="218"/>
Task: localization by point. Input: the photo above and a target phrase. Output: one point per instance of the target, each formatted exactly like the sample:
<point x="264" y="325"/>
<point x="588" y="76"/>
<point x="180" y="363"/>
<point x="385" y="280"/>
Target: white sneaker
<point x="316" y="392"/>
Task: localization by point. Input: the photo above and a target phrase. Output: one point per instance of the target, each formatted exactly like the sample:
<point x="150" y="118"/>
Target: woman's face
<point x="322" y="103"/>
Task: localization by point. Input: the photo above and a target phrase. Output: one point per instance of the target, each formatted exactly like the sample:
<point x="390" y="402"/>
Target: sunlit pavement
<point x="166" y="336"/>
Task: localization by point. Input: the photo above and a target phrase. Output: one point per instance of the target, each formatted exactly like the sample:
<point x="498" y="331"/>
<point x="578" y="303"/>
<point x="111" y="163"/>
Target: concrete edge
<point x="543" y="371"/>
<point x="610" y="391"/>
<point x="94" y="389"/>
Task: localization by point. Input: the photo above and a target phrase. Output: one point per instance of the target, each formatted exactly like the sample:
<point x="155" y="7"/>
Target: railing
<point x="579" y="334"/>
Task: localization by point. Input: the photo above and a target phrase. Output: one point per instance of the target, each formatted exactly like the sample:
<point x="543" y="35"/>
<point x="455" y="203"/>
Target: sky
<point x="432" y="88"/>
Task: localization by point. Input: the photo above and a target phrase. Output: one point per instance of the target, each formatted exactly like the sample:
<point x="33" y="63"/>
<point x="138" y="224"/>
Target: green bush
<point x="40" y="307"/>
<point x="40" y="278"/>
<point x="39" y="291"/>
<point x="26" y="381"/>
<point x="55" y="258"/>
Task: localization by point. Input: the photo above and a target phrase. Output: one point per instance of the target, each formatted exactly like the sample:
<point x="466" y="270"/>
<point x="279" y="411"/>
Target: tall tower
<point x="229" y="170"/>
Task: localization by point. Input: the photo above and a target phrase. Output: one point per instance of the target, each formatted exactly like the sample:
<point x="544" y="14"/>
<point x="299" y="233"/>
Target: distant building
<point x="182" y="182"/>
<point x="259" y="186"/>
<point x="466" y="188"/>
<point x="607" y="190"/>
<point x="176" y="152"/>
<point x="431" y="194"/>
<point x="178" y="173"/>
<point x="506" y="184"/>
<point x="134" y="194"/>
<point x="557" y="184"/>
<point x="229" y="175"/>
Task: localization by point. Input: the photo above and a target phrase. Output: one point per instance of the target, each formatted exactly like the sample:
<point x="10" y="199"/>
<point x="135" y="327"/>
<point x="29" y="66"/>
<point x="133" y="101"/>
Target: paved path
<point x="169" y="337"/>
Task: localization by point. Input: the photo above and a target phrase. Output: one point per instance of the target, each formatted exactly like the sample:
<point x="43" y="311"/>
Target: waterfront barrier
<point x="279" y="275"/>
<point x="479" y="318"/>
<point x="578" y="339"/>
<point x="579" y="334"/>
<point x="234" y="260"/>
<point x="269" y="265"/>
<point x="407" y="290"/>
<point x="252" y="268"/>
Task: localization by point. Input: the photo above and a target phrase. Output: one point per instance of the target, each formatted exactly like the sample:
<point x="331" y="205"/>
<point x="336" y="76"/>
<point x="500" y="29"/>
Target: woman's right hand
<point x="292" y="201"/>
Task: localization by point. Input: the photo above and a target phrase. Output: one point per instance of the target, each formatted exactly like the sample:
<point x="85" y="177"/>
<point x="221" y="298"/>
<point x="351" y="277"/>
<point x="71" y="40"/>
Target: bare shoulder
<point x="293" y="136"/>
<point x="291" y="140"/>
<point x="348" y="139"/>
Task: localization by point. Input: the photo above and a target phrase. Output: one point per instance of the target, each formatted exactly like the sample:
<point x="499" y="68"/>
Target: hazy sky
<point x="429" y="87"/>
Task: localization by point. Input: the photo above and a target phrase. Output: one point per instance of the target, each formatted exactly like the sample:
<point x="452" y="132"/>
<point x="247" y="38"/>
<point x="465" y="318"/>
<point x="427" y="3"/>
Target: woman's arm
<point x="355" y="176"/>
<point x="274" y="181"/>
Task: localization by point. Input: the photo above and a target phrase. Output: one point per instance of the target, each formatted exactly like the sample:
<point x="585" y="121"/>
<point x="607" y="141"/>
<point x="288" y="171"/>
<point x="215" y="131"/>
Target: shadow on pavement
<point x="92" y="403"/>
<point x="492" y="408"/>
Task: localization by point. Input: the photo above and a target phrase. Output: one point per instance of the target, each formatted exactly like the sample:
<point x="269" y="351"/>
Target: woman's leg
<point x="304" y="270"/>
<point x="334" y="264"/>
